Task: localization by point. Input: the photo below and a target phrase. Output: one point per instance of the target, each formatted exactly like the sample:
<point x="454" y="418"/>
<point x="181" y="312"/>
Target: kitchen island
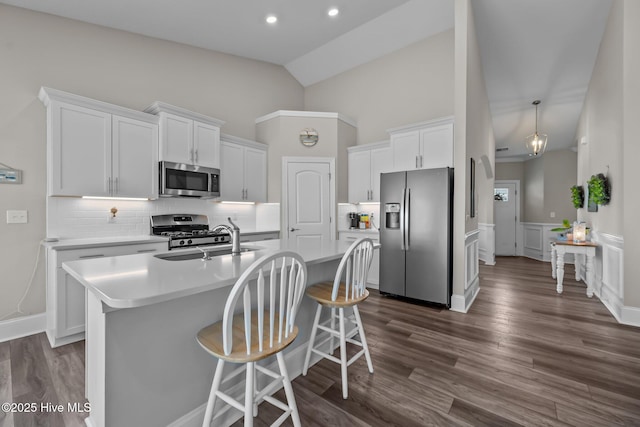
<point x="143" y="364"/>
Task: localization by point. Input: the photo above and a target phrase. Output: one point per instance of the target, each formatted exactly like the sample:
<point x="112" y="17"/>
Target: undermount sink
<point x="181" y="256"/>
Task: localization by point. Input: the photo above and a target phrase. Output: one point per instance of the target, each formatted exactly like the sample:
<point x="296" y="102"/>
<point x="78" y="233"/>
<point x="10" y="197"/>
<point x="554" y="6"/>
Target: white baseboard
<point x="630" y="316"/>
<point x="462" y="303"/>
<point x="22" y="326"/>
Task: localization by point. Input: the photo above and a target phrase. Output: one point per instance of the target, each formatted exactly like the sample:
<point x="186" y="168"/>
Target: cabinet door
<point x="381" y="161"/>
<point x="135" y="158"/>
<point x="80" y="151"/>
<point x="436" y="146"/>
<point x="70" y="310"/>
<point x="359" y="176"/>
<point x="206" y="145"/>
<point x="406" y="149"/>
<point x="176" y="139"/>
<point x="231" y="172"/>
<point x="255" y="175"/>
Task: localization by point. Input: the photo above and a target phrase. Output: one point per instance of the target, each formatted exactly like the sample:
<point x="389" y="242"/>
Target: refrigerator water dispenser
<point x="392" y="215"/>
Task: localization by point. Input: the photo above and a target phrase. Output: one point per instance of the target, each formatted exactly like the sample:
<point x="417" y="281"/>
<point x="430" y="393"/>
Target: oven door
<point x="179" y="179"/>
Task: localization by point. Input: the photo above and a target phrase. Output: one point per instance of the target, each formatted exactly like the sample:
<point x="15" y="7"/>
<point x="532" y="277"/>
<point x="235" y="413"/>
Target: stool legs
<point x="343" y="355"/>
<point x="248" y="395"/>
<point x="363" y="339"/>
<point x="217" y="377"/>
<point x="312" y="339"/>
<point x="288" y="390"/>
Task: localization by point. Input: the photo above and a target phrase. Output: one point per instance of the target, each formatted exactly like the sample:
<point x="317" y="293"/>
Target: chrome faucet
<point x="234" y="232"/>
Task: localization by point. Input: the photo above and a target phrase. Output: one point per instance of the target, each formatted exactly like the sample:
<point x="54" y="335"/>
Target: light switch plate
<point x="17" y="217"/>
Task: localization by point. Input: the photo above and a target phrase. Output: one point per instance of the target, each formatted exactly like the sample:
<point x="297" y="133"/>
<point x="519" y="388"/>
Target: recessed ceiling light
<point x="271" y="19"/>
<point x="333" y="12"/>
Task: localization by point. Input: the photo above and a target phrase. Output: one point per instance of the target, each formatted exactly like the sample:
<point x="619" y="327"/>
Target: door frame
<point x="519" y="247"/>
<point x="284" y="225"/>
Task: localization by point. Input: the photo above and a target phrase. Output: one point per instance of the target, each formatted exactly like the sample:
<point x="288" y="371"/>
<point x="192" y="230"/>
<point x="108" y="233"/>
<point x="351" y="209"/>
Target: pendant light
<point x="536" y="143"/>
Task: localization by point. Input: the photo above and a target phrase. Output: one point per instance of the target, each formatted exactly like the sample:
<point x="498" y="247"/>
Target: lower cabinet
<point x="66" y="296"/>
<point x="373" y="280"/>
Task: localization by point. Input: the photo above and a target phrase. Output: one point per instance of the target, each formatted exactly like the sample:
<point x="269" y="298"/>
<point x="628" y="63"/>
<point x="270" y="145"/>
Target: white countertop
<point x="68" y="244"/>
<point x="142" y="279"/>
<point x="360" y="230"/>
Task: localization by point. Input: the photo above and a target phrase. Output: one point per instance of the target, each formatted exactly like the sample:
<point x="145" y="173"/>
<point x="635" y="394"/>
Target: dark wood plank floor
<point x="523" y="355"/>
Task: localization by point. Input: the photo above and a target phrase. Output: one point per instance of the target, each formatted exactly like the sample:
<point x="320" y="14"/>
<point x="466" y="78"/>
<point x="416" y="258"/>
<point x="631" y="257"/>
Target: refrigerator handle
<point x="407" y="211"/>
<point x="402" y="213"/>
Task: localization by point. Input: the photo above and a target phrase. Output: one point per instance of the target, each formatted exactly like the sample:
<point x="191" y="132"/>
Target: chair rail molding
<point x="462" y="303"/>
<point x="487" y="243"/>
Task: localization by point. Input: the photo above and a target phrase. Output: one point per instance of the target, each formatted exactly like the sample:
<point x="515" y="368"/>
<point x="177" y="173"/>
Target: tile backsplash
<point x="82" y="218"/>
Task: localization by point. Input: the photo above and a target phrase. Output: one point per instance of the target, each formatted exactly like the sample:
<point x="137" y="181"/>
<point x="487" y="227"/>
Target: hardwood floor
<point x="523" y="355"/>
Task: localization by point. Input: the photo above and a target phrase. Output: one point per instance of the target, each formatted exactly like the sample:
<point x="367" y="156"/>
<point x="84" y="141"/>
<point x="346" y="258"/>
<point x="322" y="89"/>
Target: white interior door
<point x="309" y="207"/>
<point x="505" y="211"/>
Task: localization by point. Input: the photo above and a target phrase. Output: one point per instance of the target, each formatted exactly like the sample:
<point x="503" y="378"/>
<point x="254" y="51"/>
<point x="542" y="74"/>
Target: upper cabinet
<point x="243" y="170"/>
<point x="366" y="163"/>
<point x="99" y="149"/>
<point x="187" y="137"/>
<point x="423" y="145"/>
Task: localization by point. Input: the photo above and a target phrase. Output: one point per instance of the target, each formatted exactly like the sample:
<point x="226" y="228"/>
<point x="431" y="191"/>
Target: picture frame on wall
<point x="472" y="193"/>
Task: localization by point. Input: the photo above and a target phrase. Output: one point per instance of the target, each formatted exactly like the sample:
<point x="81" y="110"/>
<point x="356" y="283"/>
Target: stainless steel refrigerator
<point x="416" y="209"/>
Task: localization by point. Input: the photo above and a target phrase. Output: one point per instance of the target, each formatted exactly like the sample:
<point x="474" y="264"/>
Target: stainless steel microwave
<point x="179" y="179"/>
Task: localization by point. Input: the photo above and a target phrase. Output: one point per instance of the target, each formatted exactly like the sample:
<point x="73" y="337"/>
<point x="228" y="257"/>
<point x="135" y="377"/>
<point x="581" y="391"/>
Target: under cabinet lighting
<point x="239" y="203"/>
<point x="115" y="198"/>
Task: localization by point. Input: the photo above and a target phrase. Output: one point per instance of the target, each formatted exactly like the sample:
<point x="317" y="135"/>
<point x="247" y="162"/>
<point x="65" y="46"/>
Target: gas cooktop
<point x="187" y="230"/>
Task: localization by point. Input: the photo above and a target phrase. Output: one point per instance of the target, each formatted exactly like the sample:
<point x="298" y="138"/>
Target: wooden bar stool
<point x="340" y="294"/>
<point x="253" y="335"/>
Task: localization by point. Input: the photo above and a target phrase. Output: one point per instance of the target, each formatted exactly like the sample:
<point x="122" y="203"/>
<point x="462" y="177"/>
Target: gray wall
<point x="609" y="122"/>
<point x="113" y="66"/>
<point x="410" y="85"/>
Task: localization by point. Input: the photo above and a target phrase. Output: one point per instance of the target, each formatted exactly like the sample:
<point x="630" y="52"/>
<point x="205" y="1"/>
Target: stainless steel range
<point x="187" y="230"/>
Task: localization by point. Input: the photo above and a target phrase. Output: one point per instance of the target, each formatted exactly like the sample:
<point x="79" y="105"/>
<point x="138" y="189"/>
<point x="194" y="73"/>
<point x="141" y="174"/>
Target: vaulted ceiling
<point x="530" y="49"/>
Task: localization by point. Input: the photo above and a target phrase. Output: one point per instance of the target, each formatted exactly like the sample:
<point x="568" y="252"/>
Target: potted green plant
<point x="599" y="189"/>
<point x="577" y="196"/>
<point x="564" y="230"/>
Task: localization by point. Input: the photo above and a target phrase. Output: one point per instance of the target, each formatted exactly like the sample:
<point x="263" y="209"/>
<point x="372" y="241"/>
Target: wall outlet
<point x="17" y="217"/>
<point x="552" y="214"/>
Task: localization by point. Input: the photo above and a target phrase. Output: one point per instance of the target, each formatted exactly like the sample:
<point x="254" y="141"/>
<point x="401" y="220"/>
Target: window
<point x="501" y="194"/>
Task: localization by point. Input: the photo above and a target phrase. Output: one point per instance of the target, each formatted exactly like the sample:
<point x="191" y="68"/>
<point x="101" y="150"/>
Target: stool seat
<point x="210" y="338"/>
<point x="321" y="292"/>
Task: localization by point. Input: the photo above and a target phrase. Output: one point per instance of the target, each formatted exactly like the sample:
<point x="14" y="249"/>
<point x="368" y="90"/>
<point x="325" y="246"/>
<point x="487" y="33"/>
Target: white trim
<point x="241" y="141"/>
<point x="162" y="107"/>
<point x="332" y="191"/>
<point x="487" y="243"/>
<point x="48" y="95"/>
<point x="22" y="326"/>
<point x="369" y="146"/>
<point x="307" y="114"/>
<point x="630" y="316"/>
<point x="462" y="303"/>
<point x="417" y="126"/>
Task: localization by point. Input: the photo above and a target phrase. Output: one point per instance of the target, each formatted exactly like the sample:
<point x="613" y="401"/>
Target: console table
<point x="580" y="250"/>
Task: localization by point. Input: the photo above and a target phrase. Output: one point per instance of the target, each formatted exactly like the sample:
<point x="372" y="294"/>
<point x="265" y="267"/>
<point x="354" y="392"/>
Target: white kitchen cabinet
<point x="187" y="137"/>
<point x="243" y="170"/>
<point x="423" y="145"/>
<point x="66" y="296"/>
<point x="366" y="163"/>
<point x="373" y="279"/>
<point x="99" y="149"/>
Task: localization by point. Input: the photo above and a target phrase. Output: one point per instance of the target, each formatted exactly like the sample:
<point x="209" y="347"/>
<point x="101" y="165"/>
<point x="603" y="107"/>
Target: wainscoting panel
<point x="487" y="243"/>
<point x="609" y="273"/>
<point x="537" y="237"/>
<point x="462" y="303"/>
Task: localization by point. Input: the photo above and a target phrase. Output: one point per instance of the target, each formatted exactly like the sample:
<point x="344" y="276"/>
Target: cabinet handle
<point x="109" y="185"/>
<point x="421" y="163"/>
<point x="116" y="186"/>
<point x="196" y="155"/>
<point x="142" y="251"/>
<point x="416" y="162"/>
<point x="91" y="256"/>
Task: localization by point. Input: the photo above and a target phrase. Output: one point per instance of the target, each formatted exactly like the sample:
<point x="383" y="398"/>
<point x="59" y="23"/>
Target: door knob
<point x="294" y="229"/>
